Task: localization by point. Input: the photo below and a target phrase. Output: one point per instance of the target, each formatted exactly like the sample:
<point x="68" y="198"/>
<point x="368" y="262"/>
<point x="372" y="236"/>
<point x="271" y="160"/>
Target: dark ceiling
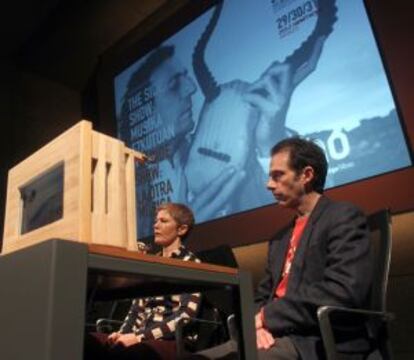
<point x="63" y="39"/>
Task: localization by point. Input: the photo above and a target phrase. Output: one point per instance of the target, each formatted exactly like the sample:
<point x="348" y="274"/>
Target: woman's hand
<point x="123" y="339"/>
<point x="113" y="337"/>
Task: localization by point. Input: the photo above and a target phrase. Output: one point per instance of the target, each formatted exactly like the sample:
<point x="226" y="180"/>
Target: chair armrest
<point x="102" y="324"/>
<point x="326" y="328"/>
<point x="328" y="309"/>
<point x="232" y="328"/>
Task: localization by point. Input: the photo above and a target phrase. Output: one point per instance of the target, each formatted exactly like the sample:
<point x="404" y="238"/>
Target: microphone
<point x="144" y="248"/>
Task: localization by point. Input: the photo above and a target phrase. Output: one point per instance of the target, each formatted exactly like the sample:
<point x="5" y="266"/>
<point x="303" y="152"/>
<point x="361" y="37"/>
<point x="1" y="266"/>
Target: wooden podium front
<point x="80" y="187"/>
<point x="44" y="291"/>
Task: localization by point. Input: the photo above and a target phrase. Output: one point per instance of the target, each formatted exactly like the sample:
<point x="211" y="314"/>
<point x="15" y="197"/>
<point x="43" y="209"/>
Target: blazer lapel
<point x="299" y="260"/>
<point x="280" y="250"/>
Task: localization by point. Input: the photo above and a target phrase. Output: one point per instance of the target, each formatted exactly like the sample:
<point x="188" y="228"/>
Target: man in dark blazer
<point x="322" y="258"/>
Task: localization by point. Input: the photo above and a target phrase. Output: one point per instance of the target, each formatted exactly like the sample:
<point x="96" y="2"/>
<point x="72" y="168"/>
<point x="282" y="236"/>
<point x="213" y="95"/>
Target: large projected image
<point x="210" y="101"/>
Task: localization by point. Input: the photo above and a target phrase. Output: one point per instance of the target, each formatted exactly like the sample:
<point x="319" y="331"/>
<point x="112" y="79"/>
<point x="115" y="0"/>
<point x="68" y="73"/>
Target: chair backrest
<point x="213" y="331"/>
<point x="379" y="224"/>
<point x="220" y="255"/>
<point x="216" y="305"/>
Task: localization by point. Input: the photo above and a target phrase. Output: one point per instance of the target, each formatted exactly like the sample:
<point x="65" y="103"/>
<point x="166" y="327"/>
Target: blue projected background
<point x="211" y="100"/>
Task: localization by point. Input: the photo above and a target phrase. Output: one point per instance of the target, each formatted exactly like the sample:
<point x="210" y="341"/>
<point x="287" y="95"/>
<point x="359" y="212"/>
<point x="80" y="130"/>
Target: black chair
<point x="215" y="315"/>
<point x="192" y="334"/>
<point x="110" y="316"/>
<point x="205" y="331"/>
<point x="375" y="319"/>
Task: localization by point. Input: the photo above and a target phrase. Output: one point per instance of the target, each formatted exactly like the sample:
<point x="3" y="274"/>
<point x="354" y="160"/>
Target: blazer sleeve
<point x="345" y="280"/>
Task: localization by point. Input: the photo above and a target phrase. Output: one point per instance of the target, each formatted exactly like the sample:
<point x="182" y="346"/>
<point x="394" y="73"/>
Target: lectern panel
<point x="42" y="199"/>
<point x="79" y="187"/>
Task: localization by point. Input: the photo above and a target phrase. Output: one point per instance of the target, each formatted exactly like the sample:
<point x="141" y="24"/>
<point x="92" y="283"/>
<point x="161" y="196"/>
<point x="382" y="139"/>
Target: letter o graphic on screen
<point x="338" y="145"/>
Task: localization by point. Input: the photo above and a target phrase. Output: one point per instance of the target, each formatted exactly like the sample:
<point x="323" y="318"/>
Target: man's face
<point x="287" y="186"/>
<point x="173" y="92"/>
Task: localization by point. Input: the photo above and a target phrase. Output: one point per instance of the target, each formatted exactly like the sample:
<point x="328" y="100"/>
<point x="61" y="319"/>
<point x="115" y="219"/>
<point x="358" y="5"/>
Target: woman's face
<point x="166" y="229"/>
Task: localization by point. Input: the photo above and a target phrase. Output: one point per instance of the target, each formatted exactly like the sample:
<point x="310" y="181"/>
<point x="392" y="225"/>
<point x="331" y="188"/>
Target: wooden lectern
<point x="80" y="187"/>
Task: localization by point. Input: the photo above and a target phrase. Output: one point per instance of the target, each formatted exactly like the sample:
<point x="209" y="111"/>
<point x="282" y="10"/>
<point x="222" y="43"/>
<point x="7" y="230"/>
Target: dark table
<point x="45" y="290"/>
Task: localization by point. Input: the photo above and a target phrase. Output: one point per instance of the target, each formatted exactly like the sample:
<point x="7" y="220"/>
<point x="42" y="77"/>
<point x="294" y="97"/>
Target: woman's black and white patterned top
<point x="156" y="317"/>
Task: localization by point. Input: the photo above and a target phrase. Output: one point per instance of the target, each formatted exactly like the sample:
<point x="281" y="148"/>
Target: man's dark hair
<point x="153" y="61"/>
<point x="304" y="153"/>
